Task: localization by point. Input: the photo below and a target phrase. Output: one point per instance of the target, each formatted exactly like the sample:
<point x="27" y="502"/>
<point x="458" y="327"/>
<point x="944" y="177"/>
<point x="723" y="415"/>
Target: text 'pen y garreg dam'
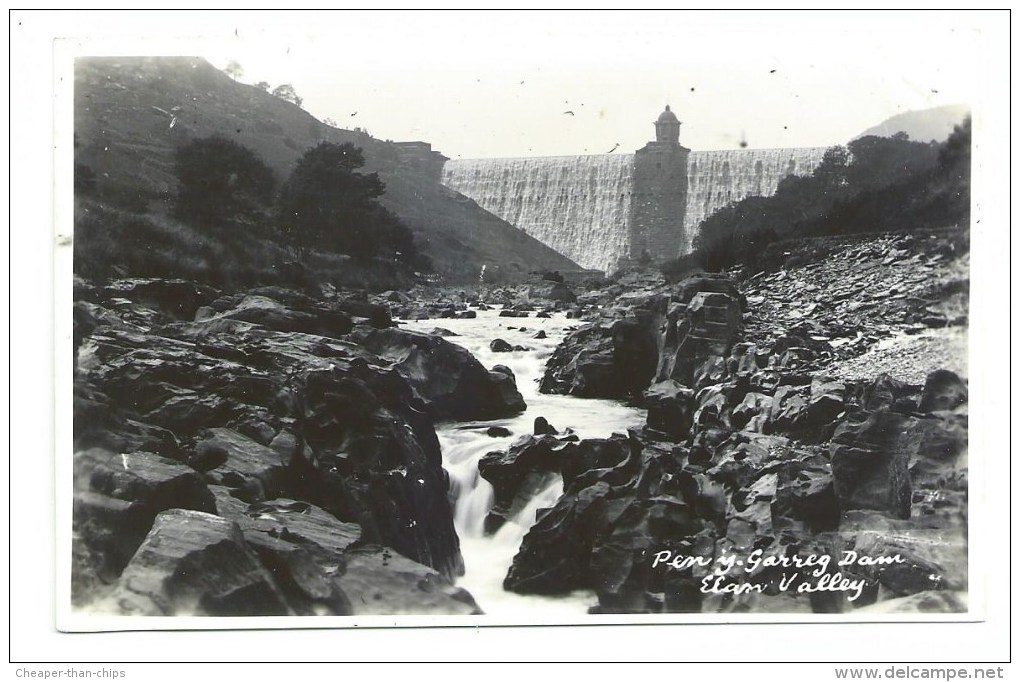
<point x="607" y="209"/>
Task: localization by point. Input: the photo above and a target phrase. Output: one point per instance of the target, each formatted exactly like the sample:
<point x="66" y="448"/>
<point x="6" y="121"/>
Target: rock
<point x="869" y="467"/>
<point x="498" y="432"/>
<point x="542" y="427"/>
<point x="386" y="583"/>
<point x="931" y="601"/>
<point x="614" y="359"/>
<point x="324" y="537"/>
<point x="670" y="408"/>
<point x="308" y="589"/>
<point x="540" y="334"/>
<point x="376" y="464"/>
<point x="506" y="389"/>
<point x="509" y="470"/>
<point x="704" y="324"/>
<point x="752" y="413"/>
<point x="513" y="313"/>
<point x="440" y="331"/>
<point x="448" y="377"/>
<point x="789" y="408"/>
<point x="178" y="298"/>
<point x="500" y="346"/>
<point x="272" y="314"/>
<point x="255" y="472"/>
<point x="826" y="403"/>
<point x="712" y="407"/>
<point x="111" y="531"/>
<point x="943" y="390"/>
<point x="378" y="316"/>
<point x="193" y="563"/>
<point x="888" y="392"/>
<point x="554" y="555"/>
<point x="156" y="483"/>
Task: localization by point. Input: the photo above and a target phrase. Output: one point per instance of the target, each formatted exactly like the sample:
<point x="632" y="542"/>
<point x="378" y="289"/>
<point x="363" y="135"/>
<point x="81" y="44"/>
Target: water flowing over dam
<point x="605" y="209"/>
<point x="578" y="205"/>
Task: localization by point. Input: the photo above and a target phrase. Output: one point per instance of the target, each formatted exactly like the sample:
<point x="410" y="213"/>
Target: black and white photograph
<point x="379" y="320"/>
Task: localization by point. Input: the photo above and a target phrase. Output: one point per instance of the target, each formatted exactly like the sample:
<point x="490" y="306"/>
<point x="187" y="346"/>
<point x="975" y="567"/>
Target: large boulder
<point x="702" y="323"/>
<point x="453" y="383"/>
<point x="614" y="357"/>
<point x="670" y="408"/>
<point x="177" y="298"/>
<point x="255" y="472"/>
<point x="197" y="564"/>
<point x="386" y="583"/>
<point x="272" y="314"/>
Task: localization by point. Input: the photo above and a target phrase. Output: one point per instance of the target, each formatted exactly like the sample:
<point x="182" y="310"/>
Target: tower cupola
<point x="667" y="127"/>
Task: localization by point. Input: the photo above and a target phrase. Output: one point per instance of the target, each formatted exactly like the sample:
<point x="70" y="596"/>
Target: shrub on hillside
<point x="872" y="184"/>
<point x="220" y="180"/>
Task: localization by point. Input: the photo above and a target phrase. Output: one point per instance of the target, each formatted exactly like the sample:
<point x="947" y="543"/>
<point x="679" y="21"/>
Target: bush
<point x="220" y="180"/>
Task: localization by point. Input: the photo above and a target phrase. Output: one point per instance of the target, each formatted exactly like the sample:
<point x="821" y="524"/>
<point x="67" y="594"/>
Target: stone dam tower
<point x="606" y="210"/>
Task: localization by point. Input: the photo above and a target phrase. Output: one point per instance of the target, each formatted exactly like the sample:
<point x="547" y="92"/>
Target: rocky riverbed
<point x="805" y="447"/>
<point x="275" y="452"/>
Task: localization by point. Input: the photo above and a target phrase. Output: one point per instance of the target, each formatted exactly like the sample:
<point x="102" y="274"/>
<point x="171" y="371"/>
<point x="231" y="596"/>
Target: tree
<point x="234" y="70"/>
<point x="263" y="85"/>
<point x="327" y="203"/>
<point x="287" y="92"/>
<point x="219" y="179"/>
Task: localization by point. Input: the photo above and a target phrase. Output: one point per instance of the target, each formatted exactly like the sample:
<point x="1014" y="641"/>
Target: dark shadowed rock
<point x="869" y="462"/>
<point x="308" y="589"/>
<point x="193" y="563"/>
<point x="500" y="346"/>
<point x="178" y="298"/>
<point x="542" y="427"/>
<point x="273" y="314"/>
<point x="448" y="377"/>
<point x="156" y="483"/>
<point x="670" y="408"/>
<point x="555" y="552"/>
<point x="943" y="390"/>
<point x="110" y="530"/>
<point x="752" y="413"/>
<point x="383" y="582"/>
<point x="255" y="472"/>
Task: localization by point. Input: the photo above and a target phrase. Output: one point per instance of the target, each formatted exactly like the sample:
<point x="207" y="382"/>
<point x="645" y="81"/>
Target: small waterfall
<point x="487" y="558"/>
<point x="578" y="205"/>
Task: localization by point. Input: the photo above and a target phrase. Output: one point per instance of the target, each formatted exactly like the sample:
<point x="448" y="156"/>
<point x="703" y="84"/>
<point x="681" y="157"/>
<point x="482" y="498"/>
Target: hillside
<point x="923" y="126"/>
<point x="132" y="112"/>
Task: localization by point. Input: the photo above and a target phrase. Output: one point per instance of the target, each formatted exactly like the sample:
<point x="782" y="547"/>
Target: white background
<point x="32" y="399"/>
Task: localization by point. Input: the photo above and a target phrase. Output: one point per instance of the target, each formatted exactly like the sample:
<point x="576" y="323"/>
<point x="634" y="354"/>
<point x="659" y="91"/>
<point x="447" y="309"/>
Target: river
<point x="487" y="558"/>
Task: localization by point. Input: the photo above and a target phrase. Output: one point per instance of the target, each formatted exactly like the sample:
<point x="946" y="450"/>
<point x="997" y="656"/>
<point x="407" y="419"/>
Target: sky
<point x="491" y="84"/>
<point x="502" y="84"/>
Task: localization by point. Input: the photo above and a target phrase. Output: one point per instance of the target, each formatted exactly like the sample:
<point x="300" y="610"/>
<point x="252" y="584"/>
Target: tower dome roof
<point x="667" y="115"/>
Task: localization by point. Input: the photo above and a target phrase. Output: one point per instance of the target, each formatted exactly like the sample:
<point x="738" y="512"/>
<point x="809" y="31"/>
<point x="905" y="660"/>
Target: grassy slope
<point x="123" y="109"/>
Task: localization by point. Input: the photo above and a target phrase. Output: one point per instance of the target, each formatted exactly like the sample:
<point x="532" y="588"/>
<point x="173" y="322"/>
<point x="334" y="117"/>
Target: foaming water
<point x="487" y="558"/>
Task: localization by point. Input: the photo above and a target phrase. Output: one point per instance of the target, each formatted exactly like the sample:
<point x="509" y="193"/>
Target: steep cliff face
<point x="578" y="205"/>
<point x="600" y="209"/>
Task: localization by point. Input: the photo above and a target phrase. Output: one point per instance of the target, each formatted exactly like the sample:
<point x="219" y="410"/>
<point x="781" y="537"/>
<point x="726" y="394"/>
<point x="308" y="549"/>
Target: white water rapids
<point x="487" y="558"/>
